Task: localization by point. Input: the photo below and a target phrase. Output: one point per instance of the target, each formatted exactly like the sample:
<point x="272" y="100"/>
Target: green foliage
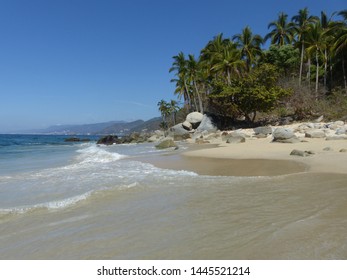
<point x="168" y="109"/>
<point x="256" y="92"/>
<point x="286" y="58"/>
<point x="234" y="77"/>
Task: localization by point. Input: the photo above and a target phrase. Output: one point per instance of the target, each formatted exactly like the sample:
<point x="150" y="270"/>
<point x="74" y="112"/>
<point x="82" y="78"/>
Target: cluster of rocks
<point x="200" y="129"/>
<point x="76" y="139"/>
<point x="195" y="124"/>
<point x="127" y="139"/>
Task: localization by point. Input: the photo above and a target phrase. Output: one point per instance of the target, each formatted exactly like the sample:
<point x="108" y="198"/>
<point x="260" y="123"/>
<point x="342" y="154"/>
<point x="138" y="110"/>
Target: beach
<point x="251" y="200"/>
<point x="260" y="157"/>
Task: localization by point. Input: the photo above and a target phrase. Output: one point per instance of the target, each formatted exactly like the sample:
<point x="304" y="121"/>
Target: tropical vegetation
<point x="302" y="72"/>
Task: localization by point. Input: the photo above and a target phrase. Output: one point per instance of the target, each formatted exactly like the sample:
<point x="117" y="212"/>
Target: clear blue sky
<point x="87" y="61"/>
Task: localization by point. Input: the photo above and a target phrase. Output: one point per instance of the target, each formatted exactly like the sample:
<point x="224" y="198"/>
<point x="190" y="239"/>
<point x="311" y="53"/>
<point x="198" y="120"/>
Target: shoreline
<point x="257" y="157"/>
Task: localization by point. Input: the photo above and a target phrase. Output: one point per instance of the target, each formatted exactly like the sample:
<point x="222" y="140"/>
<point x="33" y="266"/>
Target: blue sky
<point x="87" y="61"/>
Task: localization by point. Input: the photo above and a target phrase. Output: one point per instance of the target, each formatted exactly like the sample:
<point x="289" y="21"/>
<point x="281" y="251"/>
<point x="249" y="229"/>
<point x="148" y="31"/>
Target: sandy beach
<point x="259" y="157"/>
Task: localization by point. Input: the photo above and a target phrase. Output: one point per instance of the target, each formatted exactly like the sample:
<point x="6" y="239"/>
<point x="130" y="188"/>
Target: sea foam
<point x="95" y="154"/>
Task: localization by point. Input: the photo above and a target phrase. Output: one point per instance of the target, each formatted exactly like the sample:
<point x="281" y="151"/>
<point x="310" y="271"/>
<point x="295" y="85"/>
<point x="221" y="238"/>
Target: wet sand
<point x="227" y="167"/>
<point x="256" y="157"/>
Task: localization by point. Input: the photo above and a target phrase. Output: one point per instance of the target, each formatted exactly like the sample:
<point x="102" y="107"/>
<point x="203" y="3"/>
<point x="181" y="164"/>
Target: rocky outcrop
<point x="206" y="125"/>
<point x="108" y="140"/>
<point x="133" y="138"/>
<point x="76" y="139"/>
<point x="178" y="133"/>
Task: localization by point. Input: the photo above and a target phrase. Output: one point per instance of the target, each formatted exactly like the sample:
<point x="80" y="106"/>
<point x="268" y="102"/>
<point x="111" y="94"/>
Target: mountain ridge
<point x="103" y="128"/>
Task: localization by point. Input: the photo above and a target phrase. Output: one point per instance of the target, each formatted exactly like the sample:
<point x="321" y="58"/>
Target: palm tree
<point x="213" y="47"/>
<point x="249" y="45"/>
<point x="327" y="24"/>
<point x="164" y="110"/>
<point x="316" y="45"/>
<point x="180" y="67"/>
<point x="340" y="43"/>
<point x="302" y="21"/>
<point x="173" y="109"/>
<point x="282" y="32"/>
<point x="229" y="62"/>
<point x="193" y="68"/>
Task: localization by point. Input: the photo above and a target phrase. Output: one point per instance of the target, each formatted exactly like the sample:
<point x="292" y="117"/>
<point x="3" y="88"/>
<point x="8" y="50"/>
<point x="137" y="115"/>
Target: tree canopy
<point x="237" y="77"/>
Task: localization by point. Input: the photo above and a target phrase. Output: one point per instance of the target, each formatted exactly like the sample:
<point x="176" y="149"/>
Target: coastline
<point x="257" y="157"/>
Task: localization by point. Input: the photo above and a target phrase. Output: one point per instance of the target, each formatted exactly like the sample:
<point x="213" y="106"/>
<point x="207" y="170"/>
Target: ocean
<point x="62" y="200"/>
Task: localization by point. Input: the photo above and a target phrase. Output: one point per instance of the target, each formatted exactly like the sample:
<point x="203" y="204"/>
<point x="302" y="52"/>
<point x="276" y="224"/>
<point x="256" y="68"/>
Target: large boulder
<point x="206" y="125"/>
<point x="108" y="140"/>
<point x="281" y="133"/>
<point x="236" y="138"/>
<point x="177" y="132"/>
<point x="340" y="131"/>
<point x="264" y="130"/>
<point x="187" y="125"/>
<point x="167" y="143"/>
<point x="317" y="133"/>
<point x="194" y="118"/>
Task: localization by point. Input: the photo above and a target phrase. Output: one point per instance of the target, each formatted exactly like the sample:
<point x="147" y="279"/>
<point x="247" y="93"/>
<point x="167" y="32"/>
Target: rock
<point x="289" y="141"/>
<point x="339" y="123"/>
<point x="343" y="151"/>
<point x="265" y="130"/>
<point x="108" y="140"/>
<point x="340" y="131"/>
<point x="167" y="143"/>
<point x="194" y="118"/>
<point x="328" y="149"/>
<point x="178" y="132"/>
<point x="187" y="125"/>
<point x="206" y="124"/>
<point x="301" y="153"/>
<point x="133" y="138"/>
<point x="75" y="139"/>
<point x="315" y="134"/>
<point x="284" y="135"/>
<point x="236" y="139"/>
<point x="260" y="135"/>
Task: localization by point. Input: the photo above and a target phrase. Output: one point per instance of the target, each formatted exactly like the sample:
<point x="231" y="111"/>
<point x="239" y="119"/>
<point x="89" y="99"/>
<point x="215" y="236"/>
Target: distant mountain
<point x="136" y="126"/>
<point x="120" y="128"/>
<point x="150" y="125"/>
<point x="113" y="127"/>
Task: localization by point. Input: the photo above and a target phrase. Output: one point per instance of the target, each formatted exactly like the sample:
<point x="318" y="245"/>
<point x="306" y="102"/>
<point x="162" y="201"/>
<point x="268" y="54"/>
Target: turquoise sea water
<point x="63" y="200"/>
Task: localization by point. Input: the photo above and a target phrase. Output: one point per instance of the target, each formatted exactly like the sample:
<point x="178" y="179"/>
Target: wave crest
<point x="94" y="154"/>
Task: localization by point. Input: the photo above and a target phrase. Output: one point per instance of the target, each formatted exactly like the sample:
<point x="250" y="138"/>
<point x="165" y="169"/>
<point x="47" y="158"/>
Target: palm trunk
<point x="325" y="70"/>
<point x="331" y="74"/>
<point x="188" y="97"/>
<point x="344" y="73"/>
<point x="228" y="77"/>
<point x="317" y="74"/>
<point x="301" y="62"/>
<point x="309" y="72"/>
<point x="199" y="98"/>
